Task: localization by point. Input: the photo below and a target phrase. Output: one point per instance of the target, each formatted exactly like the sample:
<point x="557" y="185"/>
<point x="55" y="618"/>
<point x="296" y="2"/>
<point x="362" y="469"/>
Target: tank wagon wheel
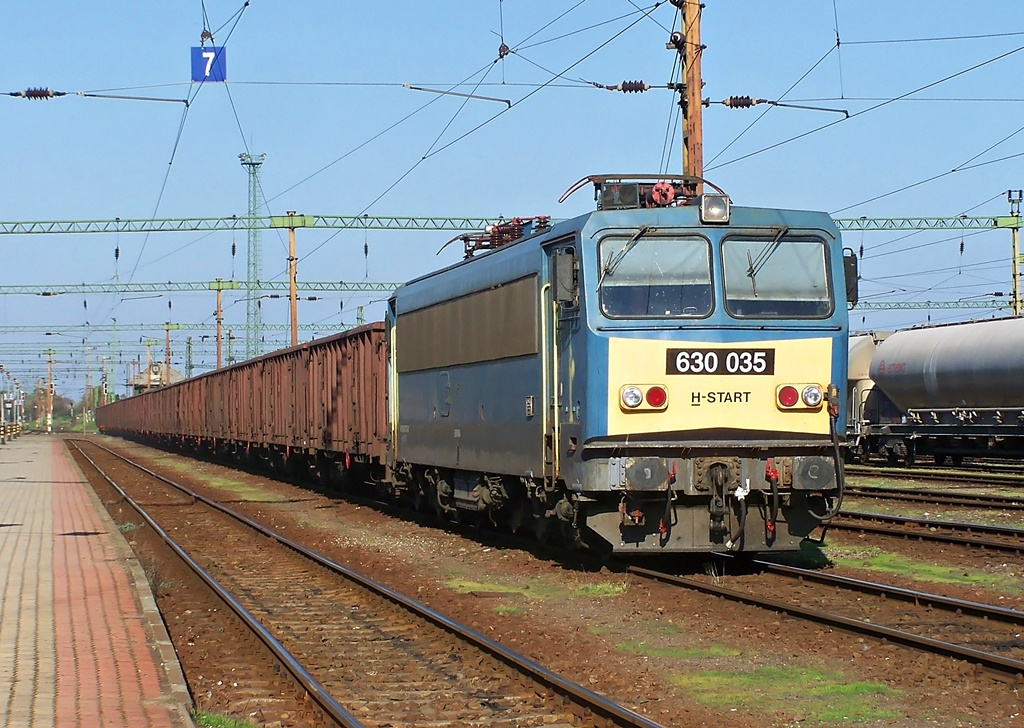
<point x="940" y="459"/>
<point x="957" y="459"/>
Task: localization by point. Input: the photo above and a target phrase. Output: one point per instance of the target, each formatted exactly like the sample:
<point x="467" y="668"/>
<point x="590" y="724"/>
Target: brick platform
<point x="81" y="640"/>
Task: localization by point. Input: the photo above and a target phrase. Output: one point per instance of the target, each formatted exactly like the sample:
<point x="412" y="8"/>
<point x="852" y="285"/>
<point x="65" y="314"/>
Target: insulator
<point x="37" y="93"/>
<point x="366" y="250"/>
<point x="633" y="87"/>
<point x="862" y="250"/>
<point x="234" y="248"/>
<point x="117" y="252"/>
<point x="961" y="247"/>
<point x="169" y="304"/>
<point x="738" y="102"/>
<point x="85" y="305"/>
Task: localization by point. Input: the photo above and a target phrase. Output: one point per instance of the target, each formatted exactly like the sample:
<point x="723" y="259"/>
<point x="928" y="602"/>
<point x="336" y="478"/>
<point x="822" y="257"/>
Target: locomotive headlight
<point x="811" y="395"/>
<point x="631" y="397"/>
<point x="714" y="208"/>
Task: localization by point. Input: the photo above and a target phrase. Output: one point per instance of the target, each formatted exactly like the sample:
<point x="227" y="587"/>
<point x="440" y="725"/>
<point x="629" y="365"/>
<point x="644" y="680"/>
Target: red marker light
<point x="657" y="396"/>
<point x="788" y="396"/>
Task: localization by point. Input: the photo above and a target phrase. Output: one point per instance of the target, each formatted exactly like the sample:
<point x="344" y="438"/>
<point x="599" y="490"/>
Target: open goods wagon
<point x="322" y="398"/>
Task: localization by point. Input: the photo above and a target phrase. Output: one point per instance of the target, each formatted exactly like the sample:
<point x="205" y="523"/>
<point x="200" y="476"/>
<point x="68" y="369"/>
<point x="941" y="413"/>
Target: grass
<point x="989" y="517"/>
<point x="875" y="559"/>
<point x="803" y="693"/>
<point x="677" y="653"/>
<point x="530" y="591"/>
<point x="204" y="719"/>
<point x="600" y="589"/>
<point x="243" y="491"/>
<point x="537" y="589"/>
<point x="128" y="526"/>
<point x="811" y="555"/>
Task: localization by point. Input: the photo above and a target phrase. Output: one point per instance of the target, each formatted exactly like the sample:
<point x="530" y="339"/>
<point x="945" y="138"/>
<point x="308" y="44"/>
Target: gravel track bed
<point x="636" y="643"/>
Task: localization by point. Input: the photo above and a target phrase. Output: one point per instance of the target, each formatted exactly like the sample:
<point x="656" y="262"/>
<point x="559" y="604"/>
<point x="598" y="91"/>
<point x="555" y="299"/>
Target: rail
<point x="598" y="706"/>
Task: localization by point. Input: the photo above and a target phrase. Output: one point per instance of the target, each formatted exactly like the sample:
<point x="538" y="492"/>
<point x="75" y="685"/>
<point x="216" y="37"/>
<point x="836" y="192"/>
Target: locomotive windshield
<point x="776" y="277"/>
<point x="650" y="275"/>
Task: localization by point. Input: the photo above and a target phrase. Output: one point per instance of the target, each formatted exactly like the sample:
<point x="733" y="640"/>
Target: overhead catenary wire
<point x="839" y="50"/>
<point x="181" y="127"/>
<point x="893" y="241"/>
<point x="868" y="110"/>
<point x="959" y="168"/>
<point x="432" y="152"/>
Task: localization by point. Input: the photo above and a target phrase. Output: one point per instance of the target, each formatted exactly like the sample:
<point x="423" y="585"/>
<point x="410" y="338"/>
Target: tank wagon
<point x="659" y="375"/>
<point x="949" y="391"/>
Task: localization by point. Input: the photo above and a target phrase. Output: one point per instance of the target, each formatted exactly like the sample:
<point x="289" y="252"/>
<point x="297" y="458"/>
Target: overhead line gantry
<point x="173" y="286"/>
<point x="441" y="223"/>
<point x="453" y="223"/>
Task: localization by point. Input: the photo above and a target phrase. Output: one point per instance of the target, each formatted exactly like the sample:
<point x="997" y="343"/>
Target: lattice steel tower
<point x="253" y="269"/>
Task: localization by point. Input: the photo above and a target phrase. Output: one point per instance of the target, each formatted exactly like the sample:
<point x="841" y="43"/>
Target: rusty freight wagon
<point x="308" y="406"/>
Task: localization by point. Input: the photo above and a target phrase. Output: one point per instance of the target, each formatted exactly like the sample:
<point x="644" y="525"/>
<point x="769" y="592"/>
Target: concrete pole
<point x="220" y="324"/>
<point x="49" y="392"/>
<point x="1015" y="197"/>
<point x="293" y="305"/>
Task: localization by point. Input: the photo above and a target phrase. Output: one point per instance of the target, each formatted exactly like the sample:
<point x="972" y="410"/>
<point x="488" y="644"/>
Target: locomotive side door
<point x="560" y="317"/>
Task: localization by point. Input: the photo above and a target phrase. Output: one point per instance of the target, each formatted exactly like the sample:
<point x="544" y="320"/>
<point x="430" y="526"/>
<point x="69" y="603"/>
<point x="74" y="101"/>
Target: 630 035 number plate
<point x="720" y="361"/>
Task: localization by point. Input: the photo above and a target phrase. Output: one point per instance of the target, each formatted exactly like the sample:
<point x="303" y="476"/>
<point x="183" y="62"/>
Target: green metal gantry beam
<point x="379" y="222"/>
<point x="929" y="305"/>
<point x="928" y="223"/>
<point x="83" y="329"/>
<point x="123" y="288"/>
<point x="191" y="224"/>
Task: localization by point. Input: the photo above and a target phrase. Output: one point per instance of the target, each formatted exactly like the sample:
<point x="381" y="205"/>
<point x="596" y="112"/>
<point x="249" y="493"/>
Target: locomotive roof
<point x="517" y="258"/>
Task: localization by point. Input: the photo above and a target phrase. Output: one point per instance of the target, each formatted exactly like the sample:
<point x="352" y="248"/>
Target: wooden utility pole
<point x="293" y="304"/>
<point x="689" y="47"/>
<point x="220" y="285"/>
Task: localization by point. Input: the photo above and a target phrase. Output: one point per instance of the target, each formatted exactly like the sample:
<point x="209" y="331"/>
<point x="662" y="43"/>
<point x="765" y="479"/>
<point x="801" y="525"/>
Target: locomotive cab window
<point x="655" y="276"/>
<point x="776" y="277"/>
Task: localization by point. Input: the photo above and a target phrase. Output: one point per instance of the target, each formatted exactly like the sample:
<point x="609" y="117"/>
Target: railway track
<point x="984" y="635"/>
<point x="938" y="497"/>
<point x="364" y="654"/>
<point x="995" y="538"/>
<point x="1006" y="480"/>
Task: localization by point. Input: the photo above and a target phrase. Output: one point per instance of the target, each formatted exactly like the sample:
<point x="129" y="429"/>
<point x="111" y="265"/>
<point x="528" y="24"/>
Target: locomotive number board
<point x="720" y="361"/>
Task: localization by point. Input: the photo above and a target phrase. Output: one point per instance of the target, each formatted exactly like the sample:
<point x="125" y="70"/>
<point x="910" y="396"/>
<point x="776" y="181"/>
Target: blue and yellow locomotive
<point x="657" y="376"/>
<point x="662" y="373"/>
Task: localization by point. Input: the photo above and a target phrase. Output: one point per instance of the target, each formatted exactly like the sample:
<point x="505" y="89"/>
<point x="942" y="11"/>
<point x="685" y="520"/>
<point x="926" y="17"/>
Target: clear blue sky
<point x="317" y="87"/>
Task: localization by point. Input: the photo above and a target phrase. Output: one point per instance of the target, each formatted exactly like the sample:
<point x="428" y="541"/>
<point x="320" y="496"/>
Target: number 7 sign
<point x="209" y="64"/>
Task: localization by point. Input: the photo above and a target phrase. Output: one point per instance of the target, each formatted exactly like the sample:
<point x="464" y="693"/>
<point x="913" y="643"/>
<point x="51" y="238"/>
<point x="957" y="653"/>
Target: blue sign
<point x="209" y="64"/>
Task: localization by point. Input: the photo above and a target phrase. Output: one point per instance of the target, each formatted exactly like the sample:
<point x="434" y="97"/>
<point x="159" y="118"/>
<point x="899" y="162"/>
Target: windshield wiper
<point x="613" y="263"/>
<point x="754" y="266"/>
